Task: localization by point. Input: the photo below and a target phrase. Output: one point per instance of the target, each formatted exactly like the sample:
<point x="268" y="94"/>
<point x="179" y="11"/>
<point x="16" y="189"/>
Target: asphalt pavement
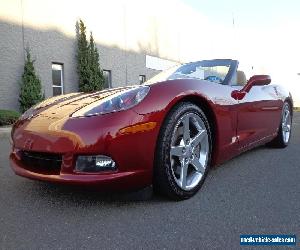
<point x="258" y="192"/>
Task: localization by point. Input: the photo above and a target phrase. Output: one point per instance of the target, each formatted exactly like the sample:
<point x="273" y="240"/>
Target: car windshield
<point x="213" y="71"/>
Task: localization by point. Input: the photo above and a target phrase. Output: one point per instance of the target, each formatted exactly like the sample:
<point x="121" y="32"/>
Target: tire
<point x="285" y="128"/>
<point x="183" y="152"/>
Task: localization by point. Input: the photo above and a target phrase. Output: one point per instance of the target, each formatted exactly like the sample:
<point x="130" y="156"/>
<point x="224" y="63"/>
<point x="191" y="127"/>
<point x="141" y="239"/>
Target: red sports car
<point x="167" y="132"/>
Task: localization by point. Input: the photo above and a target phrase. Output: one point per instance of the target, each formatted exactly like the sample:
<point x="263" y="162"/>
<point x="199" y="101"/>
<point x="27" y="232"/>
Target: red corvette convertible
<point x="167" y="132"/>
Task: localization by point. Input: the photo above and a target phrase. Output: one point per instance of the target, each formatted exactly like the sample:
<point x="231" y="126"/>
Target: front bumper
<point x="70" y="137"/>
<point x="114" y="180"/>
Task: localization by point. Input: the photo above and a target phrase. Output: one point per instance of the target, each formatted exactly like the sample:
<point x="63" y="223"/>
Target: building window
<point x="107" y="78"/>
<point x="142" y="79"/>
<point x="57" y="79"/>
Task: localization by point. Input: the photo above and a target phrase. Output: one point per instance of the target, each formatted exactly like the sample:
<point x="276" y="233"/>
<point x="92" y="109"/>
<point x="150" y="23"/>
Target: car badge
<point x="28" y="144"/>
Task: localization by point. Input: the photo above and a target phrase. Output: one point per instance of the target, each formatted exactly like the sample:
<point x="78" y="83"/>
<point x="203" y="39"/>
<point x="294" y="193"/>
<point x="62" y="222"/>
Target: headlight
<point x="116" y="102"/>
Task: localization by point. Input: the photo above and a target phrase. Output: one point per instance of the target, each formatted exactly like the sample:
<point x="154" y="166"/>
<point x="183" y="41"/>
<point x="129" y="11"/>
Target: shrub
<point x="8" y="117"/>
<point x="31" y="88"/>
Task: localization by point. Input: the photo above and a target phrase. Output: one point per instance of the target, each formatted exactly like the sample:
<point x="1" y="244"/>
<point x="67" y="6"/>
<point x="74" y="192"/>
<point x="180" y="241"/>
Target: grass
<point x="8" y="117"/>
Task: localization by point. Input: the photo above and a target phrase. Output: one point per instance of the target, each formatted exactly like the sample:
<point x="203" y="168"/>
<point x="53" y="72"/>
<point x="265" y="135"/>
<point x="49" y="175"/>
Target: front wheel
<point x="183" y="152"/>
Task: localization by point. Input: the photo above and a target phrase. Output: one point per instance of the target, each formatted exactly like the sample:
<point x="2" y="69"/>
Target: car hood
<point x="65" y="105"/>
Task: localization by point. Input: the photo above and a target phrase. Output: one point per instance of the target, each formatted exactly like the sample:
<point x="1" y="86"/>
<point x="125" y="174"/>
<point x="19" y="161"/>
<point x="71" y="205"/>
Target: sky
<point x="263" y="33"/>
<point x="264" y="28"/>
<point x="260" y="14"/>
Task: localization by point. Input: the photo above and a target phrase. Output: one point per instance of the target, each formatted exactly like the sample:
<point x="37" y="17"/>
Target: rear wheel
<point x="183" y="152"/>
<point x="285" y="128"/>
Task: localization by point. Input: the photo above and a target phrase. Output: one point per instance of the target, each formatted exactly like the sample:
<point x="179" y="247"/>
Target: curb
<point x="5" y="130"/>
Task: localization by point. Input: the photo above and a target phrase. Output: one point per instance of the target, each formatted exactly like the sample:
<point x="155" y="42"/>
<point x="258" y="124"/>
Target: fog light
<point x="94" y="163"/>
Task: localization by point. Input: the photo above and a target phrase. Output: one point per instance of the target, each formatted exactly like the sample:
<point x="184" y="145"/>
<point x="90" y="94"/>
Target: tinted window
<point x="142" y="79"/>
<point x="57" y="79"/>
<point x="107" y="78"/>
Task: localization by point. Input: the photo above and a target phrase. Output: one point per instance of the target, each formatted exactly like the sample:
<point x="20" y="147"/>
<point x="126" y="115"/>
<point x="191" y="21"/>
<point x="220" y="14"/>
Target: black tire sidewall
<point x="171" y="187"/>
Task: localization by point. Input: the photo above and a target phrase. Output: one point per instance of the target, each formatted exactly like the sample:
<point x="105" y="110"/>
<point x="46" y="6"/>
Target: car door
<point x="258" y="114"/>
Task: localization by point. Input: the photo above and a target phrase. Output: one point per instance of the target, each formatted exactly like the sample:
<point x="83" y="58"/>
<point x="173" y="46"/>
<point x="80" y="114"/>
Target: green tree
<point x="31" y="88"/>
<point x="96" y="78"/>
<point x="88" y="68"/>
<point x="82" y="57"/>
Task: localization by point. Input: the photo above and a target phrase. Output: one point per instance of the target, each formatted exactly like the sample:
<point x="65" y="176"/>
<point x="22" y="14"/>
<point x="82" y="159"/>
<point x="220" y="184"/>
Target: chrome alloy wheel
<point x="189" y="151"/>
<point x="286" y="124"/>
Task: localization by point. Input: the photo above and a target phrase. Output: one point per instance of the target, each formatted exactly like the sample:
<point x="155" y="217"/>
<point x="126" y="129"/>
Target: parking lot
<point x="257" y="192"/>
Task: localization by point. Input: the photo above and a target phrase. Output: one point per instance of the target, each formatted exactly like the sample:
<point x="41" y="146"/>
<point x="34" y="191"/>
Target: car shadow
<point x="87" y="195"/>
<point x="78" y="194"/>
<point x="246" y="154"/>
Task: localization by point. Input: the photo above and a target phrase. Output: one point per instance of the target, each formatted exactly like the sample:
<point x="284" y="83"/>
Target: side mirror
<point x="256" y="80"/>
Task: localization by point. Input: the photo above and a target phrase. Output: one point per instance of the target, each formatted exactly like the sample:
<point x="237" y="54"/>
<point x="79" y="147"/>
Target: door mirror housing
<point x="256" y="80"/>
